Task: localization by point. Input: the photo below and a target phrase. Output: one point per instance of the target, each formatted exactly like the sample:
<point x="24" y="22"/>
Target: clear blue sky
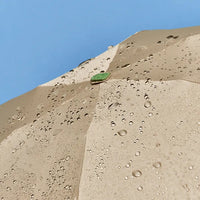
<point x="42" y="39"/>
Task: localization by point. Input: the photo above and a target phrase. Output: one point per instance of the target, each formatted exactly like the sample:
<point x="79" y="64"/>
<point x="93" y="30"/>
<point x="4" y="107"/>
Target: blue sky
<point x="42" y="39"/>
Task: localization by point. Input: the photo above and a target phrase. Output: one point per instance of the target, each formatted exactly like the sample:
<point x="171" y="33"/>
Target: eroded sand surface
<point x="135" y="136"/>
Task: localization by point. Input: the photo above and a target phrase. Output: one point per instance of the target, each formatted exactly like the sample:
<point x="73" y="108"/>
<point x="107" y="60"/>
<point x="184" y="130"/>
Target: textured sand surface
<point x="134" y="137"/>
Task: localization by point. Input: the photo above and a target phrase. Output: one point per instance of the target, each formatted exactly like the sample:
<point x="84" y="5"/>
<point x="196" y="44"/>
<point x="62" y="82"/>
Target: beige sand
<point x="132" y="137"/>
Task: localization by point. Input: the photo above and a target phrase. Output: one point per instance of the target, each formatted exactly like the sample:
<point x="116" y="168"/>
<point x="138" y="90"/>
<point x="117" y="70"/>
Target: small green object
<point x="100" y="77"/>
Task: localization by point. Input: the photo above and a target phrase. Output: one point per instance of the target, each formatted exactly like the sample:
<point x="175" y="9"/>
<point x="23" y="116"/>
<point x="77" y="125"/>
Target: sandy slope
<point x="135" y="136"/>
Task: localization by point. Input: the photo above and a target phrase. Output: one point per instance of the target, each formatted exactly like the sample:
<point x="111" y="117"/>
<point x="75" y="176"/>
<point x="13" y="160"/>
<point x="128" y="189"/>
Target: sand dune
<point x="134" y="136"/>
